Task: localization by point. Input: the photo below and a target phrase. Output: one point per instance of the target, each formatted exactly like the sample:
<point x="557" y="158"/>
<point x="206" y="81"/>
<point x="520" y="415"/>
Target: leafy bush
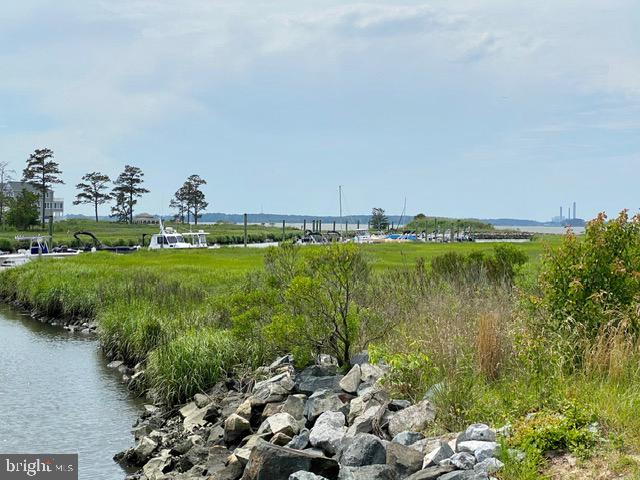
<point x="569" y="429"/>
<point x="592" y="284"/>
<point x="476" y="267"/>
<point x="6" y="245"/>
<point x="410" y="374"/>
<point x="321" y="312"/>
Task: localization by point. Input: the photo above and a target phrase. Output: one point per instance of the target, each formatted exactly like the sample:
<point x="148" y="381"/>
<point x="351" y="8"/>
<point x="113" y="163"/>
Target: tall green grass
<point x="191" y="363"/>
<point x="147" y="300"/>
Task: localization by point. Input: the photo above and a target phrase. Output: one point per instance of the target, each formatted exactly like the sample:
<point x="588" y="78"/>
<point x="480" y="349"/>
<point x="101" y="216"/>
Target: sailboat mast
<point x="340" y="199"/>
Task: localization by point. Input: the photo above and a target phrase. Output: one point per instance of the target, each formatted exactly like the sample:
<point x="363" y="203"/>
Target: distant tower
<point x="569" y="212"/>
<point x="574" y="210"/>
<point x="560" y="213"/>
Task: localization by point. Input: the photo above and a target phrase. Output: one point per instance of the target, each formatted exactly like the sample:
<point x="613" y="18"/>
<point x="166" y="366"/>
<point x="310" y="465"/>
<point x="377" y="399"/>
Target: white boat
<point x="38" y="248"/>
<point x="362" y="236"/>
<point x="167" y="238"/>
<point x="170" y="238"/>
<point x="196" y="239"/>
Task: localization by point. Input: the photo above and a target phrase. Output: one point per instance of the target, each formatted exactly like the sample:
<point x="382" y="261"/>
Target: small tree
<point x="42" y="172"/>
<point x="128" y="188"/>
<point x="179" y="206"/>
<point x="93" y="190"/>
<point x="5" y="176"/>
<point x="321" y="311"/>
<point x="23" y="210"/>
<point x="379" y="220"/>
<point x="191" y="197"/>
<point x="120" y="210"/>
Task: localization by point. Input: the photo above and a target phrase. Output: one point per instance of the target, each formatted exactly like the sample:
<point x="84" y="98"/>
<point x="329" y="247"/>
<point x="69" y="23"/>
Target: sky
<point x="472" y="108"/>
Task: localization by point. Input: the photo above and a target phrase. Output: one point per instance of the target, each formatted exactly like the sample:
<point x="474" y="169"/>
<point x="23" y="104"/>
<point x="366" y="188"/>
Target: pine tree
<point x="379" y="220"/>
<point x="93" y="190"/>
<point x="42" y="172"/>
<point x="128" y="188"/>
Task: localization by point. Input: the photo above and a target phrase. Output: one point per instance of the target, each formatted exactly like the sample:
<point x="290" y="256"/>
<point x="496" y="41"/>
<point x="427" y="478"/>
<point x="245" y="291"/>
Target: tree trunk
<point x="95" y="204"/>
<point x="130" y="208"/>
<point x="44" y="198"/>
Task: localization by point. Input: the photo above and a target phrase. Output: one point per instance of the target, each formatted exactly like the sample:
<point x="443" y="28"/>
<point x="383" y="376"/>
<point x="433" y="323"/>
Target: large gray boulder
<point x="155" y="468"/>
<point x="323" y="401"/>
<point x="463" y="461"/>
<point x="236" y="428"/>
<point x="488" y="466"/>
<point x="318" y="377"/>
<point x="431" y="473"/>
<point x="351" y="381"/>
<point x="363" y="449"/>
<point x="274" y="389"/>
<point x="415" y="418"/>
<point x="481" y="450"/>
<point x="364" y="423"/>
<point x="370" y="374"/>
<point x="294" y="406"/>
<point x="369" y="472"/>
<point x="435" y="456"/>
<point x="407" y="438"/>
<point x="280" y="423"/>
<point x="300" y="441"/>
<point x="270" y="462"/>
<point x="143" y="450"/>
<point x="481" y="432"/>
<point x="403" y="459"/>
<point x="328" y="432"/>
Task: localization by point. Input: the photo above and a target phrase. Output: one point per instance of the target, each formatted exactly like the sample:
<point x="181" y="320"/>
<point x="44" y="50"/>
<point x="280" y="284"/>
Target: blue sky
<point x="466" y="108"/>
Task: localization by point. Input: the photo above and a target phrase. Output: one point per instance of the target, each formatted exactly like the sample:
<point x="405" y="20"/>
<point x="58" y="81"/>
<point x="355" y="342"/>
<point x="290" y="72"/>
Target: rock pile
<point x="308" y="425"/>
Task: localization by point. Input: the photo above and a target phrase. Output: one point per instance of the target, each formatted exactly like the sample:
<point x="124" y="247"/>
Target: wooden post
<point x="304" y="225"/>
<point x="334" y="225"/>
<point x="284" y="236"/>
<point x="358" y="227"/>
<point x="245" y="230"/>
<point x="320" y="226"/>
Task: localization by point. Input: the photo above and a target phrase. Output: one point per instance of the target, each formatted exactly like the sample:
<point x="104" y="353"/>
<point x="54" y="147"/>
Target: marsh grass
<point x="191" y="363"/>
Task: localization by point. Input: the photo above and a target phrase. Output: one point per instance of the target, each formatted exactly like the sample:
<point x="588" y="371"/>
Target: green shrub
<point x="410" y="375"/>
<point x="569" y="429"/>
<point x="322" y="310"/>
<point x="477" y="267"/>
<point x="592" y="283"/>
<point x="6" y="245"/>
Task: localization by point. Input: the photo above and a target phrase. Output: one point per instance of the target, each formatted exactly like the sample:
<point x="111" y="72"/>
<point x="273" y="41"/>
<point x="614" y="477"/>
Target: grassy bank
<point x="468" y="322"/>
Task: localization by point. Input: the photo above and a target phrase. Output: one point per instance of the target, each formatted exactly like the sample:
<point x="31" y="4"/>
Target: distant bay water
<point x="541" y="229"/>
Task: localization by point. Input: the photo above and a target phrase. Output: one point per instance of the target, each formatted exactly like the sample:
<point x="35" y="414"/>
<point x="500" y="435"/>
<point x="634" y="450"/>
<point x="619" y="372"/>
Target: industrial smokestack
<point x="574" y="210"/>
<point x="560" y="213"/>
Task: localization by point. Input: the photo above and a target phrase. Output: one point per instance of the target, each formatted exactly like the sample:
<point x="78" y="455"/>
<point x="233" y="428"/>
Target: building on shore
<point x="145" y="219"/>
<point x="53" y="206"/>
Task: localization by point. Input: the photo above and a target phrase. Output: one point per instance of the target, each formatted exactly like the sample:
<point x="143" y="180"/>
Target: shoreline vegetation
<point x="113" y="233"/>
<point x="545" y="342"/>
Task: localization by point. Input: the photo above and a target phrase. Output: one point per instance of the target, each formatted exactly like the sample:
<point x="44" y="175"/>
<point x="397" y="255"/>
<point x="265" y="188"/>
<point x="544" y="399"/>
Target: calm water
<point x="58" y="396"/>
<point x="553" y="230"/>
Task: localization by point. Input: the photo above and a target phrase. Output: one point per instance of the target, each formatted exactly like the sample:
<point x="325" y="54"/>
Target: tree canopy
<point x="42" y="172"/>
<point x="128" y="188"/>
<point x="93" y="190"/>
